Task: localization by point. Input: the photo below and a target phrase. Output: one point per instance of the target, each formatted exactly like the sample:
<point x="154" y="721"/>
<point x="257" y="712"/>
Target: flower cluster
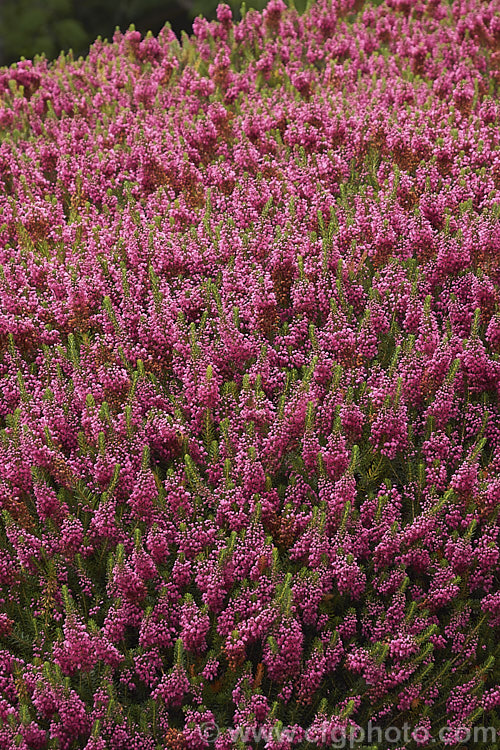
<point x="250" y="378"/>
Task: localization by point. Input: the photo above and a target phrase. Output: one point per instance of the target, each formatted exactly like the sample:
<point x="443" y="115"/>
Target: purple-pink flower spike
<point x="249" y="382"/>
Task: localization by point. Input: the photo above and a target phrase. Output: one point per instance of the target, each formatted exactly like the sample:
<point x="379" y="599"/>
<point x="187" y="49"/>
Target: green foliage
<point x="33" y="27"/>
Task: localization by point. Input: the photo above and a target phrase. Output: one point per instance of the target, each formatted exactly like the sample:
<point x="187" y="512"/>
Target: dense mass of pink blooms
<point x="250" y="377"/>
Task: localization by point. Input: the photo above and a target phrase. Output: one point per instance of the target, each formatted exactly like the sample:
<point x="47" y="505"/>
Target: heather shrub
<point x="249" y="380"/>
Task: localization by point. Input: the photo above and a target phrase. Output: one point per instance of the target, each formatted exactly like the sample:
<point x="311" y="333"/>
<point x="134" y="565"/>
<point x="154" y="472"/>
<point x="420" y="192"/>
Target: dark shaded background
<point x="30" y="27"/>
